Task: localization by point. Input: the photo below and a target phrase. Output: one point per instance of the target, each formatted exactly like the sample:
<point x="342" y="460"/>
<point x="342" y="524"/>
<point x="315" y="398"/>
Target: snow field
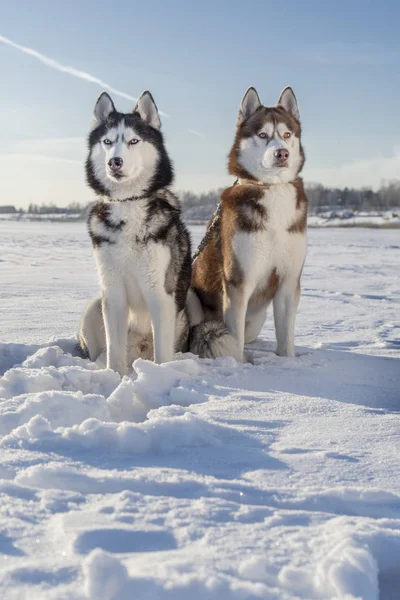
<point x="278" y="478"/>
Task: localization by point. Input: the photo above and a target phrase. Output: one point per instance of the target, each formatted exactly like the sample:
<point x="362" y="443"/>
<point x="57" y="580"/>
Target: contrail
<point x="50" y="62"/>
<point x="53" y="64"/>
<point x="195" y="132"/>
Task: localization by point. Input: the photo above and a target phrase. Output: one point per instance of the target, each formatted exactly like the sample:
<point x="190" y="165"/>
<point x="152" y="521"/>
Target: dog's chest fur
<point x="271" y="247"/>
<point x="264" y="236"/>
<point x="125" y="237"/>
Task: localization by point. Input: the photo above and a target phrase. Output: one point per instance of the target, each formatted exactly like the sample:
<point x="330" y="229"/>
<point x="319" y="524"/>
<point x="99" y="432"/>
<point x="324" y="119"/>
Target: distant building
<point x="7" y="209"/>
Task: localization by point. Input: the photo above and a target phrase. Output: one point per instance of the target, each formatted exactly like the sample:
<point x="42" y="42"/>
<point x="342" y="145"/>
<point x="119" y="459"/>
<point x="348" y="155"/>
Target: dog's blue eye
<point x="107" y="142"/>
<point x="133" y="142"/>
<point x="262" y="135"/>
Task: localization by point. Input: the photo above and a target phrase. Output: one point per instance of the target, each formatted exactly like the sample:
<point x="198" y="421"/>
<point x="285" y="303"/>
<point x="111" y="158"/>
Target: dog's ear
<point x="103" y="108"/>
<point x="147" y="109"/>
<point x="249" y="104"/>
<point x="288" y="101"/>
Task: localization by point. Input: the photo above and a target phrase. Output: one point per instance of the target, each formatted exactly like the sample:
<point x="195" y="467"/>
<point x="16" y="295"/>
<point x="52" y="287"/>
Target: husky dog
<point x="257" y="244"/>
<point x="141" y="246"/>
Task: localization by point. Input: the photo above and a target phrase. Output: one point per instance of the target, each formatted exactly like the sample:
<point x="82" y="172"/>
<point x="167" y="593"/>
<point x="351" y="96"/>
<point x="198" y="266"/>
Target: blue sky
<point x="342" y="60"/>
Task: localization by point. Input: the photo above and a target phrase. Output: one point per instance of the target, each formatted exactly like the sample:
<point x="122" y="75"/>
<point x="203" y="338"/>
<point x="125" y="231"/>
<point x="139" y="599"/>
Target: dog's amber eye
<point x="262" y="135"/>
<point x="133" y="142"/>
<point x="107" y="142"/>
<point x="287" y="134"/>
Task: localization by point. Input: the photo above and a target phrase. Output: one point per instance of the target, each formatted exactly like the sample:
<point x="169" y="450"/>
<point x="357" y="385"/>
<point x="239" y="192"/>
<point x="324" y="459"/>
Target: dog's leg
<point x="194" y="308"/>
<point x="163" y="317"/>
<point x="235" y="307"/>
<point x="115" y="314"/>
<point x="254" y="323"/>
<point x="91" y="335"/>
<point x="286" y="301"/>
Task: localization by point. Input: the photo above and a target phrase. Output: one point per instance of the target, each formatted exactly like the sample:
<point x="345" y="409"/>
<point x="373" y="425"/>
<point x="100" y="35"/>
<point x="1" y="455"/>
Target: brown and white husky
<point x="257" y="246"/>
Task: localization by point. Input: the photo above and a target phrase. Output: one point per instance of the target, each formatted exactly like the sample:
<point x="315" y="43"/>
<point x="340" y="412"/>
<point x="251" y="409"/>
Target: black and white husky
<point x="141" y="246"/>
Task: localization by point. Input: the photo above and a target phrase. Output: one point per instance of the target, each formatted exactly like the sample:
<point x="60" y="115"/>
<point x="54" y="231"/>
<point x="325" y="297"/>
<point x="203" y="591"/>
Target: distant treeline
<point x="364" y="199"/>
<point x="36" y="210"/>
<point x="199" y="207"/>
<point x="321" y="198"/>
<point x="46" y="209"/>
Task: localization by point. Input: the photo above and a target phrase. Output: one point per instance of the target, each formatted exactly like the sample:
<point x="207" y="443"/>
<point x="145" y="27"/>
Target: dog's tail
<point x="211" y="339"/>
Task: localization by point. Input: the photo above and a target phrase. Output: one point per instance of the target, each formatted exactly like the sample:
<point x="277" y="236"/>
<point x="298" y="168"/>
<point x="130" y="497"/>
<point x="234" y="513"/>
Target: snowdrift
<point x="275" y="479"/>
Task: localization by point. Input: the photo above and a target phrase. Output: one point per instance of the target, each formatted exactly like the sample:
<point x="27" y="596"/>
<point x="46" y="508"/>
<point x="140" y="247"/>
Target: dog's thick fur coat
<point x="255" y="254"/>
<point x="141" y="246"/>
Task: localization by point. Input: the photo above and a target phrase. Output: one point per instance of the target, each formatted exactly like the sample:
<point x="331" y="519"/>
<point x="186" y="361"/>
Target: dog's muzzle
<point x="281" y="157"/>
<point x="115" y="164"/>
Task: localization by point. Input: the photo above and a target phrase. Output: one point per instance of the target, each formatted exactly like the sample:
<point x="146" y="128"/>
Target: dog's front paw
<point x="118" y="367"/>
<point x="288" y="352"/>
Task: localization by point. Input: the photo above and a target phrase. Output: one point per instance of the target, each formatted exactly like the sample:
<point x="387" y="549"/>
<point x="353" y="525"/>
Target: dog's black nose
<point x="115" y="163"/>
<point x="282" y="154"/>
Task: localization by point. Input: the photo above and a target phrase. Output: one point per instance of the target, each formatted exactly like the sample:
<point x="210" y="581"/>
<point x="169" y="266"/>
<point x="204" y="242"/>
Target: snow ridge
<point x="153" y="465"/>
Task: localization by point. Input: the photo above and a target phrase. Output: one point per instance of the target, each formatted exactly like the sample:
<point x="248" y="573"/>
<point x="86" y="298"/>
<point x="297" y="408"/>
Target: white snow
<point x="275" y="479"/>
<point x="343" y="217"/>
<point x="351" y="218"/>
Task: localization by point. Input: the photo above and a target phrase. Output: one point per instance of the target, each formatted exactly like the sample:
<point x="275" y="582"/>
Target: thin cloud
<point x="53" y="64"/>
<point x="67" y="149"/>
<point x="50" y="146"/>
<point x="346" y="54"/>
<point x="23" y="157"/>
<point x="369" y="172"/>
